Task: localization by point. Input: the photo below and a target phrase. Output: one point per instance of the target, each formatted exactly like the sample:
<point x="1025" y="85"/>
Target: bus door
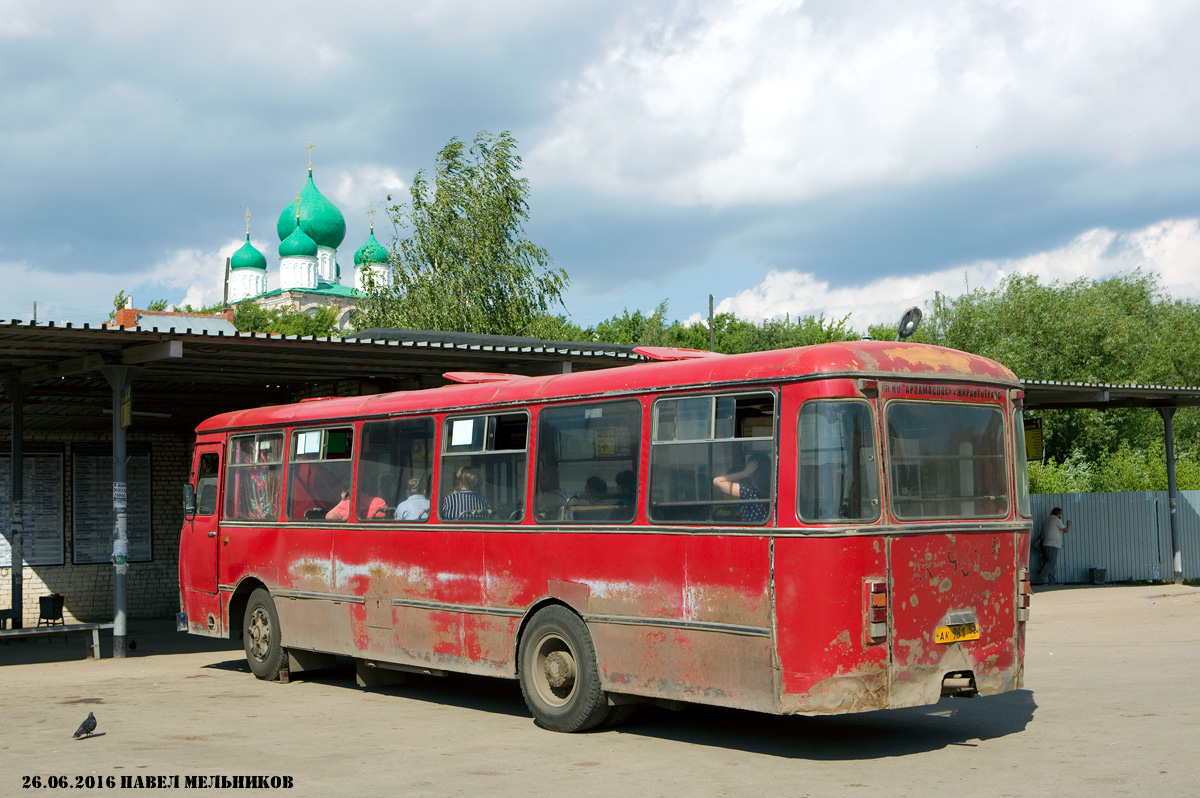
<point x="198" y="545"/>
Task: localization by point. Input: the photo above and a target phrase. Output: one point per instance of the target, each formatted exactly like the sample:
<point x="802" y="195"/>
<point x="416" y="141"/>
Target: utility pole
<point x="711" y="331"/>
<point x="118" y="378"/>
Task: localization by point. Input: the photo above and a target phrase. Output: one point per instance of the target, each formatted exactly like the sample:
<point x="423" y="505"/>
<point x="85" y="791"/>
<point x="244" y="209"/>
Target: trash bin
<point x="1099" y="576"/>
<point x="51" y="609"/>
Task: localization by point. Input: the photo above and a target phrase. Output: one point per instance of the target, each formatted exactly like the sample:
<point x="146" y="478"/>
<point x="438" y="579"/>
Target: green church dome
<point x="371" y="252"/>
<point x="248" y="257"/>
<point x="319" y="218"/>
<point x="297" y="245"/>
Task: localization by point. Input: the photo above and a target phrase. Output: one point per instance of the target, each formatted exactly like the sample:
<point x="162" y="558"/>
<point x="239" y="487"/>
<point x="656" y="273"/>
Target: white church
<point x="310" y="230"/>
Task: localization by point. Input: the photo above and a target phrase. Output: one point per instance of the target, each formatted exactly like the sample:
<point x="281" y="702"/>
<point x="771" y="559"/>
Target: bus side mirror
<point x="189" y="500"/>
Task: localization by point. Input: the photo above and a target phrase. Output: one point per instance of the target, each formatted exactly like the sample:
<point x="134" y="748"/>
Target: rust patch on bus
<point x="722" y="604"/>
<point x="700" y="666"/>
<point x="931" y="358"/>
<point x="860" y="690"/>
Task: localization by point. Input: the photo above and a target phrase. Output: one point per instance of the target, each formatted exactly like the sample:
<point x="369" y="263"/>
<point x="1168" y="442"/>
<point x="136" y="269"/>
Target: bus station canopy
<point x="1054" y="395"/>
<point x="182" y="376"/>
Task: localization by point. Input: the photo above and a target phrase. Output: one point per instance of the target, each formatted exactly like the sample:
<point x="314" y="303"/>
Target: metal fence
<point x="1126" y="534"/>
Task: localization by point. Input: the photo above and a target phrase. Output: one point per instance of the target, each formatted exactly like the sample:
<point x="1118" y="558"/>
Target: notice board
<point x="42" y="498"/>
<point x="92" y="507"/>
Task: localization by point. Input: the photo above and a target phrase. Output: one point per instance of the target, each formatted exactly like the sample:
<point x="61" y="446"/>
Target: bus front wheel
<point x="261" y="636"/>
<point x="559" y="678"/>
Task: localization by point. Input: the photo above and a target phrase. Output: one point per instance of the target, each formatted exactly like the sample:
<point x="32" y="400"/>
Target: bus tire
<point x="558" y="674"/>
<point x="262" y="636"/>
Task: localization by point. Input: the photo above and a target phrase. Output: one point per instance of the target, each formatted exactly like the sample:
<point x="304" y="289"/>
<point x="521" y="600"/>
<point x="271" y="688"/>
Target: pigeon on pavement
<point x="87" y="727"/>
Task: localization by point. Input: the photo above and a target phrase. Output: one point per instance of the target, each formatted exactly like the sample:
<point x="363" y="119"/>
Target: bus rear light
<point x="1023" y="596"/>
<point x="877" y="610"/>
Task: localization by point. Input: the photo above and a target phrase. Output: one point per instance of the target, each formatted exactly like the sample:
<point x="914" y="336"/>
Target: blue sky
<point x="787" y="157"/>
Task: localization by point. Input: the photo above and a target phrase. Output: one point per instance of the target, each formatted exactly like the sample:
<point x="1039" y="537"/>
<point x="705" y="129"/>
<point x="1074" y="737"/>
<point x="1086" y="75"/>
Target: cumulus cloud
<point x="366" y="185"/>
<point x="779" y="100"/>
<point x="1170" y="249"/>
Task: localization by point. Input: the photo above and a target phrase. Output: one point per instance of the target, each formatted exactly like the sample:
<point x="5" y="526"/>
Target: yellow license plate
<point x="955" y="633"/>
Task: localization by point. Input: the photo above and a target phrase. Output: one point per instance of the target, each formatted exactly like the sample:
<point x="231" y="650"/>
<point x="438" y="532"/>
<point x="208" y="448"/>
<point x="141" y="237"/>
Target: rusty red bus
<point x="826" y="529"/>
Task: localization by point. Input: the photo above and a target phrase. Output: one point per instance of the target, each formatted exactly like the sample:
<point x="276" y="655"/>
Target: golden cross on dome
<point x="309" y="148"/>
<point x="371" y="216"/>
<point x="247" y="221"/>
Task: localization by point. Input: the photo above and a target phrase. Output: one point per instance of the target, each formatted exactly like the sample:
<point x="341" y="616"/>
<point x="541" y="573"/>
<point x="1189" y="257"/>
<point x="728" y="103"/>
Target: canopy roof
<point x="182" y="376"/>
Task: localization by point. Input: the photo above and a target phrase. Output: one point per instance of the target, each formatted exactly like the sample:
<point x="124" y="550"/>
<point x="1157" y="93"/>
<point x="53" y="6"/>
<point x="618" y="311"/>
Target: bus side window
<point x="587" y="463"/>
<point x="712" y="459"/>
<point x="483" y="468"/>
<point x="206" y="484"/>
<point x="319" y="474"/>
<point x="837" y="477"/>
<point x="254" y="477"/>
<point x="394" y="470"/>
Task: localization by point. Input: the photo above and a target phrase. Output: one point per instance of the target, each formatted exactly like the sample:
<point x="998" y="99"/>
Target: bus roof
<point x="853" y="359"/>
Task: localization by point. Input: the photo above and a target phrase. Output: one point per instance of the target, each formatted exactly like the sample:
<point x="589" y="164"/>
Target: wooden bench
<point x="40" y="631"/>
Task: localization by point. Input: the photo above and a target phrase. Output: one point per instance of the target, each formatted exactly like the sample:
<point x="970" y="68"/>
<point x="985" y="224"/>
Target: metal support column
<point x="17" y="393"/>
<point x="118" y="378"/>
<point x="1168" y="413"/>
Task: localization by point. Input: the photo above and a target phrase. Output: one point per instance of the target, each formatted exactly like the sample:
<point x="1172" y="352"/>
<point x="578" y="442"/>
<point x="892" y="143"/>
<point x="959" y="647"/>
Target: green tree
<point x="466" y="264"/>
<point x="250" y="317"/>
<point x="549" y="327"/>
<point x="637" y="328"/>
<point x="733" y="335"/>
<point x="118" y="304"/>
<point x="1122" y="330"/>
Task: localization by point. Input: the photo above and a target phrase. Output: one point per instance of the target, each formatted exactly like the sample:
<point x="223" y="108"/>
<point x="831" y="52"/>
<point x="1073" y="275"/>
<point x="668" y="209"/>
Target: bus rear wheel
<point x="559" y="678"/>
<point x="261" y="636"/>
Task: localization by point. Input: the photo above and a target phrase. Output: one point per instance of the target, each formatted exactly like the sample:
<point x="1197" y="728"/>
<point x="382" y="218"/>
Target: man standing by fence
<point x="1052" y="539"/>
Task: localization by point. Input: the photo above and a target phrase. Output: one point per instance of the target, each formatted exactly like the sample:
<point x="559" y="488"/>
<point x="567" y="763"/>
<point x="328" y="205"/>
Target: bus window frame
<point x="1020" y="470"/>
<point x="444" y="436"/>
<point x="877" y="446"/>
<point x="292" y="461"/>
<point x="638" y="442"/>
<point x="430" y="477"/>
<point x="1005" y="451"/>
<point x="656" y="399"/>
<point x="231" y="468"/>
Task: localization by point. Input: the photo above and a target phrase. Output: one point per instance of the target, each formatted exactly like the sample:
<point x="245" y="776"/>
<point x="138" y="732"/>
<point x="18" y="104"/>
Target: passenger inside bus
<point x="416" y="506"/>
<point x="550" y="498"/>
<point x="466" y="501"/>
<point x="379" y="507"/>
<point x="595" y="491"/>
<point x="626" y="488"/>
<point x="340" y="511"/>
<point x="752" y="482"/>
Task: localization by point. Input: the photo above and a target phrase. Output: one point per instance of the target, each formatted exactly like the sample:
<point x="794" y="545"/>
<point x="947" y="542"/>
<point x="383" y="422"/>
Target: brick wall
<point x="152" y="588"/>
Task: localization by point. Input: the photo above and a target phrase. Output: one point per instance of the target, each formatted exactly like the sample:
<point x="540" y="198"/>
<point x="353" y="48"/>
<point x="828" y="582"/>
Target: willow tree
<point x="461" y="261"/>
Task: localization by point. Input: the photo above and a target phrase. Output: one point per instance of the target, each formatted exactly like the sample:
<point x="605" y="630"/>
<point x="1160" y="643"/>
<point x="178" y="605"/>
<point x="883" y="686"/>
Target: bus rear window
<point x="946" y="460"/>
<point x="837" y="476"/>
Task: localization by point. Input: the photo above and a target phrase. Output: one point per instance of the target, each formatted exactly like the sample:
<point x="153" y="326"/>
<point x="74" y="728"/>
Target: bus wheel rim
<point x="260" y="633"/>
<point x="555" y="670"/>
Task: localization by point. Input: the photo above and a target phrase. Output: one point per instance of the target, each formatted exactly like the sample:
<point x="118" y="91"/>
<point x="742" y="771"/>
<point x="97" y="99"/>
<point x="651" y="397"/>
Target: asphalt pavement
<point x="1111" y="706"/>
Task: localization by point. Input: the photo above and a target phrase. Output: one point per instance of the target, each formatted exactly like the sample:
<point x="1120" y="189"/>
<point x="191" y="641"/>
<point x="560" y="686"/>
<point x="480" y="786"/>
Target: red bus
<point x="826" y="529"/>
